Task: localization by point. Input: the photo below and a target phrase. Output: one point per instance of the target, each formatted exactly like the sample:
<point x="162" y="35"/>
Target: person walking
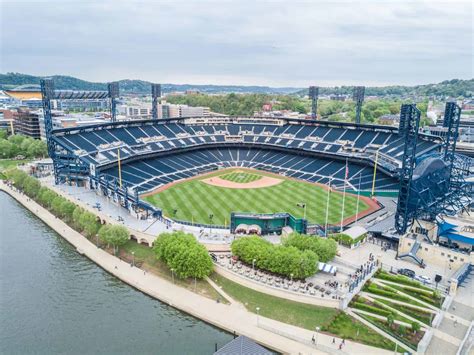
<point x="313" y="340"/>
<point x="334" y="340"/>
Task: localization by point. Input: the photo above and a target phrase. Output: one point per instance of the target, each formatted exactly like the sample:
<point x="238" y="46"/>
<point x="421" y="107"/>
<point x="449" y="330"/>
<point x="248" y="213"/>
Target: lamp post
<point x="317" y="333"/>
<point x="258" y="314"/>
<point x="302" y="205"/>
<point x="172" y="274"/>
<point x="133" y="258"/>
<point x="253" y="265"/>
<point x="97" y="240"/>
<point x="291" y="277"/>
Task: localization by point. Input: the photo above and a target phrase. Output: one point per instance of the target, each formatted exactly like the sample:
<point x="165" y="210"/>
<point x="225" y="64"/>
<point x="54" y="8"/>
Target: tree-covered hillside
<point x="449" y="88"/>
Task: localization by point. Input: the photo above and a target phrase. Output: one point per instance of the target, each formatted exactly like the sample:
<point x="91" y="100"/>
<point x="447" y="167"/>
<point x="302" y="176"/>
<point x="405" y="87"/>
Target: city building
<point x="27" y="122"/>
<point x="389" y="120"/>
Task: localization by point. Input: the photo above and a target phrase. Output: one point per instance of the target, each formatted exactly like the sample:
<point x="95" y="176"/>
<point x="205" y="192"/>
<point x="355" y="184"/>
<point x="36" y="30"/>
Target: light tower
<point x="313" y="94"/>
<point x="155" y="95"/>
<point x="114" y="93"/>
<point x="358" y="97"/>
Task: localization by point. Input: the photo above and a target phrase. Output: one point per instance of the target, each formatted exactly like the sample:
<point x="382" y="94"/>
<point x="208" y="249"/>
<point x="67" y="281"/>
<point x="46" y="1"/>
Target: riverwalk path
<point x="270" y="333"/>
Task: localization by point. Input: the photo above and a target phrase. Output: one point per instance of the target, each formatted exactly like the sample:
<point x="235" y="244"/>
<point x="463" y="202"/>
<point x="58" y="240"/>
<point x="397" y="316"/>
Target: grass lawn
<point x="303" y="315"/>
<point x="195" y="200"/>
<point x="291" y="312"/>
<point x="347" y="327"/>
<point x="6" y="164"/>
<point x="145" y="258"/>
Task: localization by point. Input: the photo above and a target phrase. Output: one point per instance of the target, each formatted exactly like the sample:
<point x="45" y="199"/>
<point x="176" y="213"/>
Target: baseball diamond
<point x="194" y="200"/>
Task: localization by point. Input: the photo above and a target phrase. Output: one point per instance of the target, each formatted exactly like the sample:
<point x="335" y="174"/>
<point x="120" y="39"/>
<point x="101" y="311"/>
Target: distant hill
<point x="449" y="88"/>
<point x="11" y="80"/>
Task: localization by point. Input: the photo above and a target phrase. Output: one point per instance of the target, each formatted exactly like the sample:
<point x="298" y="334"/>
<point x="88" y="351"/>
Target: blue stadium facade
<point x="148" y="154"/>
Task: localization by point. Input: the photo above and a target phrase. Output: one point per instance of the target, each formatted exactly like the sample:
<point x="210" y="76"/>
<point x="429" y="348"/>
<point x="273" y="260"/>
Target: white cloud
<point x="287" y="43"/>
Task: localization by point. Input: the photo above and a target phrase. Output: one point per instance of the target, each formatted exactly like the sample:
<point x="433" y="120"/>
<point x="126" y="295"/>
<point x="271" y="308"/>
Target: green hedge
<point x="400" y="279"/>
<point x="279" y="259"/>
<point x="346" y="240"/>
<point x="324" y="248"/>
<point x="183" y="254"/>
<point x="371" y="309"/>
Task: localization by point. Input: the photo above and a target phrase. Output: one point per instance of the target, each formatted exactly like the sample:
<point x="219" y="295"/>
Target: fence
<point x="309" y="342"/>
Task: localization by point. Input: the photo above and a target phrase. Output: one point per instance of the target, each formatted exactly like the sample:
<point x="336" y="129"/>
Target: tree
<point x="31" y="186"/>
<point x="324" y="248"/>
<point x="89" y="223"/>
<point x="56" y="205"/>
<point x="67" y="210"/>
<point x="182" y="253"/>
<point x="402" y="330"/>
<point x="415" y="327"/>
<point x="76" y="218"/>
<point x="283" y="259"/>
<point x="114" y="235"/>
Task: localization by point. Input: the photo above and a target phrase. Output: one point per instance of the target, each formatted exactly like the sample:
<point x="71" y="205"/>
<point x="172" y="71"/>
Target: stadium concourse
<point x="128" y="159"/>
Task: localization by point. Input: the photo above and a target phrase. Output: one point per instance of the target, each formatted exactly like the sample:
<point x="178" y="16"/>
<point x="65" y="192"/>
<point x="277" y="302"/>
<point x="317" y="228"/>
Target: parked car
<point x="407" y="272"/>
<point x="423" y="279"/>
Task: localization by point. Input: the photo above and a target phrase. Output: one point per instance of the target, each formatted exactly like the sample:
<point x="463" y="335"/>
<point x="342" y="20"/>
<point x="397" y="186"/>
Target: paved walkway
<point x="227" y="317"/>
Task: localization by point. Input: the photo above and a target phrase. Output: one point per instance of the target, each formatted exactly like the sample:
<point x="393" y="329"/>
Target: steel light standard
<point x="258" y="314"/>
<point x="211" y="216"/>
<point x="133" y="258"/>
<point x="317" y="333"/>
<point x="97" y="240"/>
<point x="172" y="274"/>
<point x="253" y="265"/>
<point x="291" y="277"/>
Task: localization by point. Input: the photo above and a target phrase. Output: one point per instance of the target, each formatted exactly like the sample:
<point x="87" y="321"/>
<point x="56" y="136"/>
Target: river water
<point x="53" y="300"/>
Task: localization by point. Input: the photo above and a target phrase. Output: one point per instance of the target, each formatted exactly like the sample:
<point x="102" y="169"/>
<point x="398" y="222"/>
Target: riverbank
<point x="228" y="317"/>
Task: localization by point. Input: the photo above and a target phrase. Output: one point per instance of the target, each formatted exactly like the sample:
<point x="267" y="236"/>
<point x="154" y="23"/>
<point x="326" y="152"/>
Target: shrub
<point x="371" y="309"/>
<point x="415" y="327"/>
<point x="283" y="259"/>
<point x="182" y="253"/>
<point x="324" y="248"/>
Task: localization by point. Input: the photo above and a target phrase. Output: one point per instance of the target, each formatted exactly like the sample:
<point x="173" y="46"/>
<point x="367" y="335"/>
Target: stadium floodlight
<point x="155" y="95"/>
<point x="313" y="95"/>
<point x="358" y="97"/>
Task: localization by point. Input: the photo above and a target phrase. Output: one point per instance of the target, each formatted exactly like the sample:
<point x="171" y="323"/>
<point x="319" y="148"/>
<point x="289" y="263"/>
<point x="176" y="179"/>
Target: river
<point x="53" y="300"/>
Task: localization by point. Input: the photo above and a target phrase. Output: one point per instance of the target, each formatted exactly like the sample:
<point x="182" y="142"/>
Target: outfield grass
<point x="195" y="200"/>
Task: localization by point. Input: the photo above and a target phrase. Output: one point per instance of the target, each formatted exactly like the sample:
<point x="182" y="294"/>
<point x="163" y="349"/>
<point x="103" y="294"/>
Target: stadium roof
<point x="355" y="232"/>
<point x="242" y="346"/>
<point x="24" y="95"/>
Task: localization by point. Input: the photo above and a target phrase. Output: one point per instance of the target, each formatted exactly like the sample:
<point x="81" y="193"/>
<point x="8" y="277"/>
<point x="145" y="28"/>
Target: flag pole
<point x="119" y="167"/>
<point x="375" y="172"/>
<point x="344" y="196"/>
<point x="358" y="197"/>
<point x="327" y="209"/>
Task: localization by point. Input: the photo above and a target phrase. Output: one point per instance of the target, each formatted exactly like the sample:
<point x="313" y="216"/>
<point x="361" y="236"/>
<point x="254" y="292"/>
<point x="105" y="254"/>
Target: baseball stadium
<point x="226" y="172"/>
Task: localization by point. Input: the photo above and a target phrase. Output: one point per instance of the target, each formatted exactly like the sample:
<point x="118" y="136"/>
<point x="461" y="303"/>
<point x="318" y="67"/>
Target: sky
<point x="275" y="43"/>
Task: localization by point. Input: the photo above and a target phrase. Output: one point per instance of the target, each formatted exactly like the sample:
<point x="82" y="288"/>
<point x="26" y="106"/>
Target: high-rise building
<point x="27" y="122"/>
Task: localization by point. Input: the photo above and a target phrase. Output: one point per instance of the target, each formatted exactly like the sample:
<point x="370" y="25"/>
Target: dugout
<point x="268" y="223"/>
